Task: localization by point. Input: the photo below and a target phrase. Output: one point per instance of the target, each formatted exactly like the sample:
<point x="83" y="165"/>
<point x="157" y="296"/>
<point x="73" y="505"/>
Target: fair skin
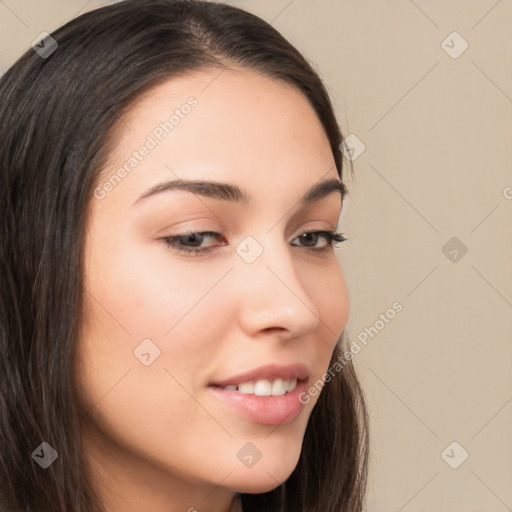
<point x="156" y="436"/>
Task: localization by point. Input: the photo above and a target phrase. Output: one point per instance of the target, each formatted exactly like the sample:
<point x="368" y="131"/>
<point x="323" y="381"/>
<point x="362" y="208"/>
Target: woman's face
<point x="162" y="328"/>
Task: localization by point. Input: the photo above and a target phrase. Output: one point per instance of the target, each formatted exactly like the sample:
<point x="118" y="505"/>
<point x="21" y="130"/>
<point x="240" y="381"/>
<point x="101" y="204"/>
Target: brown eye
<point x="190" y="242"/>
<point x="310" y="239"/>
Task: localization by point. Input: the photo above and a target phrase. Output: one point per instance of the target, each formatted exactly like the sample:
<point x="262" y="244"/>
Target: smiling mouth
<point x="263" y="387"/>
<point x="270" y="401"/>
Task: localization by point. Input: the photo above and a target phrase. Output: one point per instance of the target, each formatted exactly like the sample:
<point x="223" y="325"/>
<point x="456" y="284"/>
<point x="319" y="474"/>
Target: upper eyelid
<point x="222" y="223"/>
<point x="217" y="234"/>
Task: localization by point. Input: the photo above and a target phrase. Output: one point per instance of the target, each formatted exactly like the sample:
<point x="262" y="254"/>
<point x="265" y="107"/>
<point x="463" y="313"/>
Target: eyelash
<point x="332" y="237"/>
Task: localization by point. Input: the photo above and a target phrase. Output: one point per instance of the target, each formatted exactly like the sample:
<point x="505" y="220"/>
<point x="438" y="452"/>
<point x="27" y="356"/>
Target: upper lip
<point x="270" y="372"/>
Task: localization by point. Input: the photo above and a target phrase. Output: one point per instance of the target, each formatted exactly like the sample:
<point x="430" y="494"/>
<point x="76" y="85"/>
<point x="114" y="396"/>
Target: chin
<point x="263" y="477"/>
<point x="257" y="484"/>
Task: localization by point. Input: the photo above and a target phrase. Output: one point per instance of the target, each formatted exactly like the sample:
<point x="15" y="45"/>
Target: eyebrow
<point x="235" y="194"/>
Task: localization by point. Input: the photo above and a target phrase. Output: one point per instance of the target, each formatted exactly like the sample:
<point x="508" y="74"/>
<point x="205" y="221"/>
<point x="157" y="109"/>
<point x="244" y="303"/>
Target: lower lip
<point x="266" y="410"/>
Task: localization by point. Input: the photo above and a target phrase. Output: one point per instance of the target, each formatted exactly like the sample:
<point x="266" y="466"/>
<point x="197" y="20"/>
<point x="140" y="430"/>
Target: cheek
<point x="335" y="298"/>
<point x="147" y="314"/>
<point x="132" y="309"/>
<point x="326" y="287"/>
<point x="147" y="290"/>
<point x="138" y="292"/>
<point x="144" y="407"/>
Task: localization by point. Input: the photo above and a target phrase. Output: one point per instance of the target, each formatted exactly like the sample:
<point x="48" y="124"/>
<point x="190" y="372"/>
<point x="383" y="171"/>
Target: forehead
<point x="230" y="125"/>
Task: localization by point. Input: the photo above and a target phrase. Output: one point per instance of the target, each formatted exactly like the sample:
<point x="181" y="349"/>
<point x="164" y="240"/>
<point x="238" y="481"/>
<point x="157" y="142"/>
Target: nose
<point x="272" y="297"/>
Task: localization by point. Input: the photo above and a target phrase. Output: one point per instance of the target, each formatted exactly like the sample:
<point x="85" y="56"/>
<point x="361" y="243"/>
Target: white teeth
<point x="247" y="388"/>
<point x="264" y="387"/>
<point x="278" y="387"/>
<point x="290" y="385"/>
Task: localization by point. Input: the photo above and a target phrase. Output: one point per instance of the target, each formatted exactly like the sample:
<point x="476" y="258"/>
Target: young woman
<point x="171" y="306"/>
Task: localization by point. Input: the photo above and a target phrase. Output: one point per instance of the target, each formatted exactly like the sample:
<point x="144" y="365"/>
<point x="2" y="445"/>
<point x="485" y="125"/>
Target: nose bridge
<point x="273" y="295"/>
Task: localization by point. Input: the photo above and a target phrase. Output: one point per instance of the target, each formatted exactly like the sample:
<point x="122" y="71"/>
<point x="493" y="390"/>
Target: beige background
<point x="438" y="137"/>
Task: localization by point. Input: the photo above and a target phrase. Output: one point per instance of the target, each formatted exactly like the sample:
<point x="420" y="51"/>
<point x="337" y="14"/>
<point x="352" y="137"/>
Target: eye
<point x="191" y="242"/>
<point x="312" y="237"/>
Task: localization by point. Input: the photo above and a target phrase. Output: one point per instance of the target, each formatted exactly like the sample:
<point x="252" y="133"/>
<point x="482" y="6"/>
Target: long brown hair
<point x="56" y="114"/>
